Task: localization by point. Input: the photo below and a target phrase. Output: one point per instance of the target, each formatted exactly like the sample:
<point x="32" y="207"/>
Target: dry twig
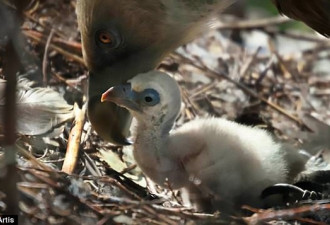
<point x="72" y="151"/>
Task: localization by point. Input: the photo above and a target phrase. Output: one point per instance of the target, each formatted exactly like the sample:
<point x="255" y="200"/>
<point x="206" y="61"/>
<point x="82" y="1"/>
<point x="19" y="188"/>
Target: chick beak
<point x="122" y="95"/>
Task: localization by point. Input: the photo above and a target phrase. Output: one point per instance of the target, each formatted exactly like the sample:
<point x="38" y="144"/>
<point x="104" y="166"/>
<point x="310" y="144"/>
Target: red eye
<point x="108" y="38"/>
<point x="105" y="37"/>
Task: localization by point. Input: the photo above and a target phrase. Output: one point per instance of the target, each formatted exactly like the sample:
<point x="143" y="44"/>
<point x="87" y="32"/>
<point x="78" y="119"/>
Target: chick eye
<point x="150" y="97"/>
<point x="108" y="39"/>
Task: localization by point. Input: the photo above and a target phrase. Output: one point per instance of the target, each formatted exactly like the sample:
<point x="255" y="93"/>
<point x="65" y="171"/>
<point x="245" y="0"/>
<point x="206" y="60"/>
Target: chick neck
<point x="152" y="152"/>
<point x="151" y="138"/>
<point x="154" y="128"/>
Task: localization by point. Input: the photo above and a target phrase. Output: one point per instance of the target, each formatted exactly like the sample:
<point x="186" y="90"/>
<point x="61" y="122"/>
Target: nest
<point x="248" y="71"/>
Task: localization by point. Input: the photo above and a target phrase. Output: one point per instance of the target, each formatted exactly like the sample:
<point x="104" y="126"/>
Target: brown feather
<point x="314" y="13"/>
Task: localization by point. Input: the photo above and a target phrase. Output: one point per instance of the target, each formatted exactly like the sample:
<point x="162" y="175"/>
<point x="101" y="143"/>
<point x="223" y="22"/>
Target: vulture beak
<point x="122" y="95"/>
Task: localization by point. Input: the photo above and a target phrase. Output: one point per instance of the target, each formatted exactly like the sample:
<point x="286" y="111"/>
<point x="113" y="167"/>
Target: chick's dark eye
<point x="150" y="97"/>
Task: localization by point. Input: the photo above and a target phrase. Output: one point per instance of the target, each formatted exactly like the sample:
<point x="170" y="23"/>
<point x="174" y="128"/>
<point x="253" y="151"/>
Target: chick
<point x="217" y="163"/>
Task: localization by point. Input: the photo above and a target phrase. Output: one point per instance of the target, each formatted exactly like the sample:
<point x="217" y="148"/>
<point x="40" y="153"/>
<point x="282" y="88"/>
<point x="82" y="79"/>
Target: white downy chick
<point x="219" y="164"/>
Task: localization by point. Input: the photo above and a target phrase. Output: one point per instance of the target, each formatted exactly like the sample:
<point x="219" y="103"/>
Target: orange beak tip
<point x="104" y="97"/>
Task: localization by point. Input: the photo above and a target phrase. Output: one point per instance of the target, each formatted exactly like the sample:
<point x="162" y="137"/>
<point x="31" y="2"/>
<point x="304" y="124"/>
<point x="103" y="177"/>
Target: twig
<point x="248" y="64"/>
<point x="268" y="215"/>
<point x="158" y="215"/>
<point x="56" y="48"/>
<point x="91" y="166"/>
<point x="299" y="36"/>
<point x="56" y="185"/>
<point x="309" y="221"/>
<point x="30" y="17"/>
<point x="33" y="160"/>
<point x="119" y="185"/>
<point x="216" y="75"/>
<point x="254" y="24"/>
<point x="72" y="150"/>
<point x="70" y="44"/>
<point x="199" y="90"/>
<point x="44" y="61"/>
<point x="263" y="73"/>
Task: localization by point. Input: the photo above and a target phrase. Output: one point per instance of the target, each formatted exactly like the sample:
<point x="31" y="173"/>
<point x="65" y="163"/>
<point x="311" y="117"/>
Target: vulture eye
<point x="108" y="39"/>
<point x="105" y="38"/>
<point x="150" y="97"/>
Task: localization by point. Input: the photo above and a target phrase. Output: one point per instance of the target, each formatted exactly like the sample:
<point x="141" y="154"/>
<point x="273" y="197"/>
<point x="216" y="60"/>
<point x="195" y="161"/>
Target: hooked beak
<point x="122" y="95"/>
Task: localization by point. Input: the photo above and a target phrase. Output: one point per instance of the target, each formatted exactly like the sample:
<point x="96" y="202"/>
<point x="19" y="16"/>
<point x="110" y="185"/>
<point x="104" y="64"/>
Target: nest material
<point x="269" y="78"/>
